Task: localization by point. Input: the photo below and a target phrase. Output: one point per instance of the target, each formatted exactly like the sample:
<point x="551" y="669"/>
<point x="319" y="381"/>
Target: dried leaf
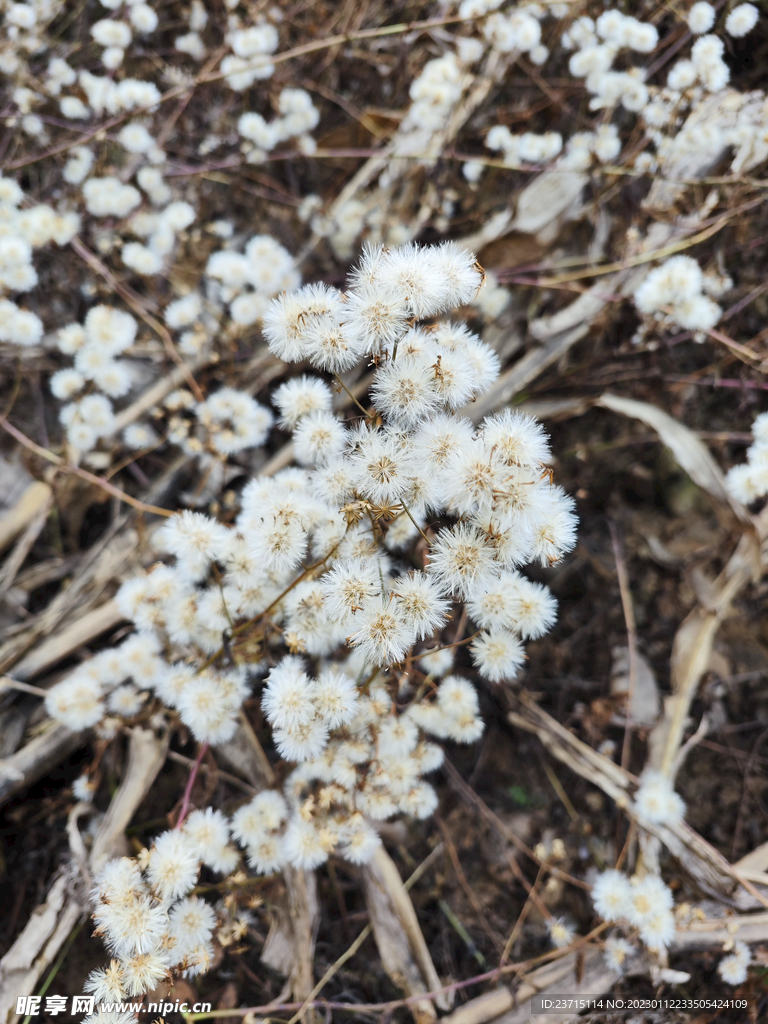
<point x="644" y="704"/>
<point x="690" y="452"/>
<point x="546" y="198"/>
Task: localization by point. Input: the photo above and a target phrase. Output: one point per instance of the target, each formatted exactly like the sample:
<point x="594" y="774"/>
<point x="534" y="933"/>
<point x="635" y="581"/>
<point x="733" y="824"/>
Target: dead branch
<point x="37" y="757"/>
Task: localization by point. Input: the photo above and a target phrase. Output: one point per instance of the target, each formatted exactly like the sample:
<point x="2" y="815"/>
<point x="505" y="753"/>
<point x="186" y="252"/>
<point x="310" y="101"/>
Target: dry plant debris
<point x="319" y="697"/>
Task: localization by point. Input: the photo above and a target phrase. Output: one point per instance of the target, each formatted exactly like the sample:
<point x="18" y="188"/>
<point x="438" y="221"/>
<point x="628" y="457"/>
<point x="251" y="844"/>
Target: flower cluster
<point x="656" y="800"/>
<point x="597" y="44"/>
<point x="225" y="423"/>
<point x="733" y="968"/>
<point x="247" y="281"/>
<point x="528" y="148"/>
<point x="298" y="116"/>
<point x="21" y="231"/>
<point x="251" y="45"/>
<point x="644" y="904"/>
<point x="402" y="513"/>
<point x="674" y="294"/>
<point x="436" y="90"/>
<point x="150" y="924"/>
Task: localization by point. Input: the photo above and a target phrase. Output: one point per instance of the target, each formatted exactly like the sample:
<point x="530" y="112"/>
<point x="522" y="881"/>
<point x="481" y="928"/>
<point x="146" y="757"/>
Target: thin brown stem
<point x="408" y="513"/>
<point x="257" y="618"/>
<point x="136" y="305"/>
<point x="367" y="415"/>
<point x="66" y="467"/>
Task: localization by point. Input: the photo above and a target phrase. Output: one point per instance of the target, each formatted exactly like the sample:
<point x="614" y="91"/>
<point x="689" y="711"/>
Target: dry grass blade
<point x="486" y="1007"/>
<point x="105" y="561"/>
<point x="156" y="393"/>
<point x="689" y="451"/>
<point x="304" y="911"/>
<point x="579" y="972"/>
<point x="694" y="640"/>
<point x="526" y="370"/>
<point x="59" y="646"/>
<point x="714" y="931"/>
<point x="23" y="546"/>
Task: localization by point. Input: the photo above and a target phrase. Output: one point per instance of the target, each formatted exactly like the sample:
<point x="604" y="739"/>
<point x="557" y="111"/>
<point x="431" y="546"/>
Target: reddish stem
<point x="190" y="783"/>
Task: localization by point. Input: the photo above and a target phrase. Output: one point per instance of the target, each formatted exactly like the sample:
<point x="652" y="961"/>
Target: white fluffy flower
<point x="421" y="603"/>
<point x="561" y="932"/>
<point x="381" y="464"/>
<point x="107" y="986"/>
<point x="649" y="897"/>
<point x="657" y="801"/>
<point x="209" y="832"/>
<point x="302" y="846"/>
<point x="265" y="813"/>
<point x="143" y="18"/>
<point x="173" y="865"/>
<point x="611" y="895"/>
<point x="208" y="708"/>
<point x="142" y="972"/>
<point x="498" y="655"/>
<point x="733" y="968"/>
<point x="741" y="20"/>
<point x="302" y="742"/>
<point x="415" y="274"/>
<point x="382" y="631"/>
<point x="77" y="701"/>
<point x="403" y="389"/>
<point x="183" y="312"/>
<point x="335" y="697"/>
<point x="195" y="539"/>
<point x="361" y="842"/>
<point x="111" y="32"/>
<point x="462" y="561"/>
<point x="318" y="436"/>
<point x="287" y="699"/>
<point x="617" y="952"/>
<point x="109" y="197"/>
<point x="192" y="922"/>
<point x="701" y="18"/>
<point x="235" y="420"/>
<point x="105" y="327"/>
<point x="65" y="384"/>
<point x="300" y="396"/>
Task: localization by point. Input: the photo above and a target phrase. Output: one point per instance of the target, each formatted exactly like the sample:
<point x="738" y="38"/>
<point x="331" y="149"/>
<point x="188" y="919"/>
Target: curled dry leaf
<point x="690" y="452"/>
